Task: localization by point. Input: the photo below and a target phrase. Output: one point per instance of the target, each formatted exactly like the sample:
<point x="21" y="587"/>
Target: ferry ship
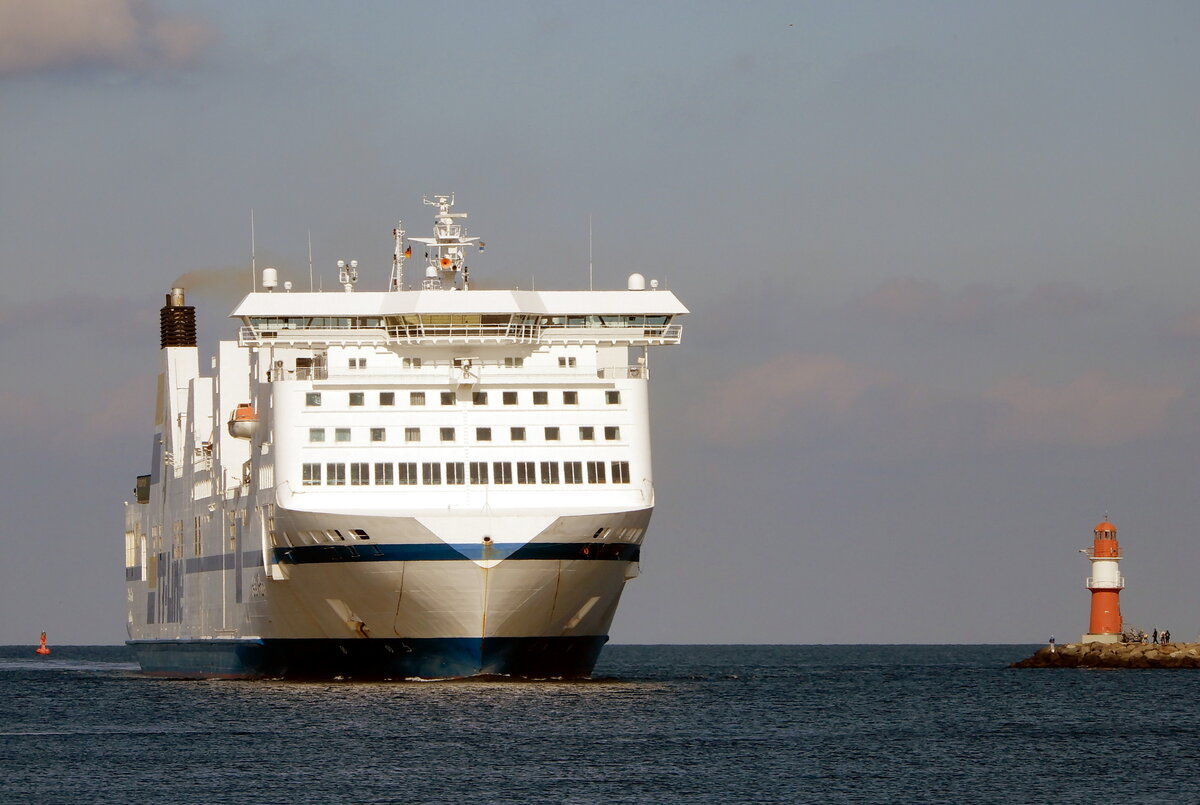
<point x="435" y="481"/>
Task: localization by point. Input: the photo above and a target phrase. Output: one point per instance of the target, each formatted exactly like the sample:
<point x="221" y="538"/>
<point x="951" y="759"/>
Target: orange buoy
<point x="42" y="648"/>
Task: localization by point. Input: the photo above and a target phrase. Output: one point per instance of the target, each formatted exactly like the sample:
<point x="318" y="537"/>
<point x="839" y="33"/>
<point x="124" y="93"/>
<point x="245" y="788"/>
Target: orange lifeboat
<point x="243" y="422"/>
<point x="42" y="649"/>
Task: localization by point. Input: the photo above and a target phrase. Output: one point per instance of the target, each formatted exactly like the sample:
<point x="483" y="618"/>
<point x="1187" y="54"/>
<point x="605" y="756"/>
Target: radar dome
<point x="637" y="282"/>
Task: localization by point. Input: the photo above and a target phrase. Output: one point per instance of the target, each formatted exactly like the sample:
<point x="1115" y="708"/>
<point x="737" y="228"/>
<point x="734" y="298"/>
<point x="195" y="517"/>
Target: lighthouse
<point x="1106" y="584"/>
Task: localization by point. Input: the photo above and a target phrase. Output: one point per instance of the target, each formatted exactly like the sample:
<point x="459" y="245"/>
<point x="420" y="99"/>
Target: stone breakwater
<point x="1115" y="655"/>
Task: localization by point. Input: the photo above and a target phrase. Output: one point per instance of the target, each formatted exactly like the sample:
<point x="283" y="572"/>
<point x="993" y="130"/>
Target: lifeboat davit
<point x="243" y="422"/>
<point x="42" y="648"/>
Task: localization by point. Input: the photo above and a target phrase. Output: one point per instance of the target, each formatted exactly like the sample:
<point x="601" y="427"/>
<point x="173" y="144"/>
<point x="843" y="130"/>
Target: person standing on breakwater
<point x="1154" y="635"/>
<point x="1051" y="644"/>
<point x="1166" y="636"/>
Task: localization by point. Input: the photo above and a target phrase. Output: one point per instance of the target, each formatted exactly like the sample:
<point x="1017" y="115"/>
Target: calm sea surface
<point x="714" y="724"/>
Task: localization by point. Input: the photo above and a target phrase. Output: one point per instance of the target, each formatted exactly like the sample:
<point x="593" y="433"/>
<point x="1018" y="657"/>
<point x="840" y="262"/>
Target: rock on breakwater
<point x="1115" y="655"/>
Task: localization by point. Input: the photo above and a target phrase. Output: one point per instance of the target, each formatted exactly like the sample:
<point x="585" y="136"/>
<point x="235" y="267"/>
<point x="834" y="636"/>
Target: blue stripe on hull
<point x="440" y="552"/>
<point x="372" y="658"/>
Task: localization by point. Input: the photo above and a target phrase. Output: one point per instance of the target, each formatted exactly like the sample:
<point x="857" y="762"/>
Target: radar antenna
<point x="445" y="254"/>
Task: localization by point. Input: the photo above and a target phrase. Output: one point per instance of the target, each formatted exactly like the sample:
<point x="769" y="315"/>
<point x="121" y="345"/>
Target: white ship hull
<point x="400" y="490"/>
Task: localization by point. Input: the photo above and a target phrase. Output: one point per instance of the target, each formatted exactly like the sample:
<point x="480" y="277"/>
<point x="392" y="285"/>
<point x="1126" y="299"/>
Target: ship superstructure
<point x="433" y="482"/>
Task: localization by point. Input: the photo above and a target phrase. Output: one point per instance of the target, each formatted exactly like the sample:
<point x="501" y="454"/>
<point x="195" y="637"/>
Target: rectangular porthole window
<point x="611" y="433"/>
<point x="378" y="434"/>
<point x="525" y="472"/>
<point x="387" y="398"/>
<point x="479" y="472"/>
<point x="356" y="398"/>
<point x="549" y="472"/>
<point x="447" y="398"/>
<point x="412" y="363"/>
<point x="384" y="475"/>
<point x="483" y="434"/>
<point x="612" y="397"/>
<point x="335" y="474"/>
<point x="360" y="473"/>
<point x="416" y="398"/>
<point x="514" y="363"/>
<point x="573" y="472"/>
<point x="311" y="474"/>
<point x="447" y="434"/>
<point x="595" y="471"/>
<point x="587" y="433"/>
<point x="412" y="434"/>
<point x="541" y="397"/>
<point x="455" y="472"/>
<point x="312" y="398"/>
<point x="479" y="398"/>
<point x="620" y="472"/>
<point x="510" y="398"/>
<point x="316" y="434"/>
<point x="431" y="473"/>
<point x="552" y="433"/>
<point x="516" y="434"/>
<point x="502" y="472"/>
<point x="407" y="475"/>
<point x="570" y="398"/>
<point x="341" y="434"/>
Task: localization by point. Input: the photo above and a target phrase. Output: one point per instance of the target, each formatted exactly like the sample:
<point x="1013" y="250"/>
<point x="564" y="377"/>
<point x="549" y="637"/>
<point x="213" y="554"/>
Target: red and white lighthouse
<point x="1106" y="584"/>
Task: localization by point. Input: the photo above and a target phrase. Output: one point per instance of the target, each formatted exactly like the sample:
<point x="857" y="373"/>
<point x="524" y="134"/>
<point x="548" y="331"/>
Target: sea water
<point x="704" y="724"/>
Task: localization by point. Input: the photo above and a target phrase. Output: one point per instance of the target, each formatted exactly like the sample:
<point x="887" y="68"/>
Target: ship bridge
<point x="436" y="317"/>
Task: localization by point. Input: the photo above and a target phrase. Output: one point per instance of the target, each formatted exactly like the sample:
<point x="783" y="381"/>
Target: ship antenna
<point x="310" y="271"/>
<point x="253" y="281"/>
<point x="590" y="288"/>
<point x="398" y="258"/>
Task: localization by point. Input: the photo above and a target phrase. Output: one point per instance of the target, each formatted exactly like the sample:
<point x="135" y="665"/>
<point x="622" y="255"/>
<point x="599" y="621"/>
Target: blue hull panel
<point x="531" y="657"/>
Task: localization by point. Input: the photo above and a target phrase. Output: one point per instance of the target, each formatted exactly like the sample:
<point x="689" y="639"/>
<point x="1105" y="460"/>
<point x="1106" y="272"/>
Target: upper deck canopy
<point x="383" y="303"/>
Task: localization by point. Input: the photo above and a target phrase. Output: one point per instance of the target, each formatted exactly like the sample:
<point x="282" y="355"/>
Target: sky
<point x="940" y="257"/>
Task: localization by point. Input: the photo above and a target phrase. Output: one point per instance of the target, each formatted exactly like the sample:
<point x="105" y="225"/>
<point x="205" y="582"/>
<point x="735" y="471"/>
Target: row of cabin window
<point x="312" y="399"/>
<point x="415" y="363"/>
<point x="460" y="472"/>
<point x="587" y="433"/>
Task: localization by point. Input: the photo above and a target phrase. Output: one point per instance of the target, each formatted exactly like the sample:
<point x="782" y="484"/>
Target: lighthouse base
<point x="1100" y="638"/>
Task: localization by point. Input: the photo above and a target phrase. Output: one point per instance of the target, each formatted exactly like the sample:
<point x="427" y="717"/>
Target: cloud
<point x="1093" y="410"/>
<point x="760" y="402"/>
<point x="853" y="409"/>
<point x="912" y="300"/>
<point x="39" y="35"/>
